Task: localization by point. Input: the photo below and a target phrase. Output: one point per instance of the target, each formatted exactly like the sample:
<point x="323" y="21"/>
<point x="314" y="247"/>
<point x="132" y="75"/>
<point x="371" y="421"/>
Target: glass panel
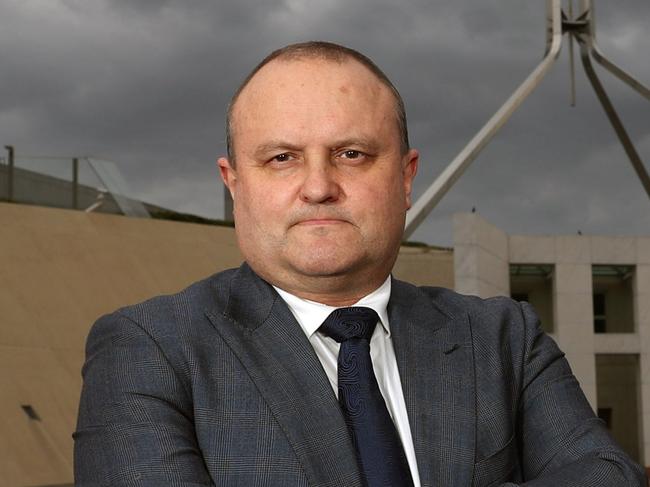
<point x="116" y="185"/>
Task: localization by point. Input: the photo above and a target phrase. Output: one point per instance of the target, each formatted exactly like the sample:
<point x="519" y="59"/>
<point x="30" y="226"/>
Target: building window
<point x="534" y="283"/>
<point x="600" y="317"/>
<point x="613" y="298"/>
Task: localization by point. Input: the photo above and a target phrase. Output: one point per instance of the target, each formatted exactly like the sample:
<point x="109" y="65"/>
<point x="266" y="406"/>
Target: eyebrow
<point x="274" y="146"/>
<point x="364" y="143"/>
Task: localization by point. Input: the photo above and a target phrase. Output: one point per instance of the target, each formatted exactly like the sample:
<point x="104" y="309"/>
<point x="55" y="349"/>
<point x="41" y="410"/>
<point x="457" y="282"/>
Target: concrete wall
<point x="59" y="271"/>
<point x="481" y="264"/>
<point x="425" y="266"/>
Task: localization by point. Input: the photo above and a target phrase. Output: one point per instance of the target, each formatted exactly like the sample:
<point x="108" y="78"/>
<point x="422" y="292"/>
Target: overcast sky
<point x="145" y="83"/>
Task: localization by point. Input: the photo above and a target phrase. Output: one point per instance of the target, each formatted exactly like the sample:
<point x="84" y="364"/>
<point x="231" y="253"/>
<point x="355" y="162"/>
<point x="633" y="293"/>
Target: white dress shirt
<point x="310" y="315"/>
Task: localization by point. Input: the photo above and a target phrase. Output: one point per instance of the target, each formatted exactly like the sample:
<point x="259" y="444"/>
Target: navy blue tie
<point x="379" y="450"/>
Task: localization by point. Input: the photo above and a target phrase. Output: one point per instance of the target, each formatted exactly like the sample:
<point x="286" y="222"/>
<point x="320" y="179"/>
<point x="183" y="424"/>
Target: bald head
<point x="325" y="51"/>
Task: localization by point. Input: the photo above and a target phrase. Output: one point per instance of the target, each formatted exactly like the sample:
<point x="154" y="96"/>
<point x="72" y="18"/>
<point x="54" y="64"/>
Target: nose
<point x="320" y="184"/>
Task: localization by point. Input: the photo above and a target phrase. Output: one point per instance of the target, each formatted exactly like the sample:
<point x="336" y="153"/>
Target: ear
<point x="409" y="169"/>
<point x="228" y="175"/>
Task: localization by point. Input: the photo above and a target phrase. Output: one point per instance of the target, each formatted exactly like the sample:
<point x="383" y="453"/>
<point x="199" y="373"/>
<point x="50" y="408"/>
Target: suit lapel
<point x="434" y="356"/>
<point x="259" y="328"/>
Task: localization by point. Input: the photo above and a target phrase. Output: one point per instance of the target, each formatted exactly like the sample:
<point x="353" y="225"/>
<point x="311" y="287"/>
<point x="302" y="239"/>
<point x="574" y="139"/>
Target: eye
<point x="284" y="157"/>
<point x="351" y="154"/>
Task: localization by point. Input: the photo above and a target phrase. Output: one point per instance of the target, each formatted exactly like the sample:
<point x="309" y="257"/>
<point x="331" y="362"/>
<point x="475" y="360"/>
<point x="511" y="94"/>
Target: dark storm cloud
<point x="145" y="83"/>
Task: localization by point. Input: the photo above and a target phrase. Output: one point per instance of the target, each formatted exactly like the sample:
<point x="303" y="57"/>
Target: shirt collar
<point x="310" y="314"/>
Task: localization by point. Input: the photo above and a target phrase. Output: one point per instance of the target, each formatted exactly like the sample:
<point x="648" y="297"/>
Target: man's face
<point x="320" y="187"/>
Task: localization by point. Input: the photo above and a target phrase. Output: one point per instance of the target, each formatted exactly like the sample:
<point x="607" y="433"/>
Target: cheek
<point x="261" y="207"/>
<point x="392" y="213"/>
<point x="384" y="197"/>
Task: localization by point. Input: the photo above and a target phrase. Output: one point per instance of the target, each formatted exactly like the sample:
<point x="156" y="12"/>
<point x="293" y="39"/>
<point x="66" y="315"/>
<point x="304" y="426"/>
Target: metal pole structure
<point x="10" y="172"/>
<point x="588" y="8"/>
<point x="572" y="70"/>
<point x="628" y="146"/>
<point x="583" y="29"/>
<point x="455" y="169"/>
<point x="618" y="72"/>
<point x="75" y="182"/>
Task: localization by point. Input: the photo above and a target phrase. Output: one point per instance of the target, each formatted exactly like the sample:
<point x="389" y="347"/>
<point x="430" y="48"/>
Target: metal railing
<point x="82" y="183"/>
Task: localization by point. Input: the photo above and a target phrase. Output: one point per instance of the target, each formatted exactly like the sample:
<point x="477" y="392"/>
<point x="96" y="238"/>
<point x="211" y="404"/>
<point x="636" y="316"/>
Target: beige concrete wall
<point x="59" y="271"/>
<point x="62" y="269"/>
<point x="425" y="266"/>
<point x="481" y="264"/>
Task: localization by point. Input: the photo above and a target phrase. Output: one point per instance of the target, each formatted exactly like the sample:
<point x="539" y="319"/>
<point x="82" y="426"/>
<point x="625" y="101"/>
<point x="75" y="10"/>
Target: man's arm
<point x="562" y="443"/>
<point x="135" y="424"/>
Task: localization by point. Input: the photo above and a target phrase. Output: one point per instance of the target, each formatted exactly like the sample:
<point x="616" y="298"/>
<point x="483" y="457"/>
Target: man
<point x="246" y="378"/>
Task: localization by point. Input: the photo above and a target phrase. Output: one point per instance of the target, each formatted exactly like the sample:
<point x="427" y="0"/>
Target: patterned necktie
<point x="379" y="450"/>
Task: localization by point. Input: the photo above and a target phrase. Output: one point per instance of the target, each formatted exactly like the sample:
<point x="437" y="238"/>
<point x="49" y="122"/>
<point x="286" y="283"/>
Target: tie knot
<point x="354" y="322"/>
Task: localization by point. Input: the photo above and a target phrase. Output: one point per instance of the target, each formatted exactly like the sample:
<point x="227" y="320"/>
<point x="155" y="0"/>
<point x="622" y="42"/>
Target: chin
<point x="321" y="264"/>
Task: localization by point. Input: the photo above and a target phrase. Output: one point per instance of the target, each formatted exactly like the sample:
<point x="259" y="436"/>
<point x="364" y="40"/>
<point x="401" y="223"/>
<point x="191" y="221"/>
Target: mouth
<point x="320" y="222"/>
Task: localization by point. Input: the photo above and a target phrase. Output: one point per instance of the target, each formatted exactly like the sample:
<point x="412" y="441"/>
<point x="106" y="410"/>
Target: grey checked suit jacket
<point x="218" y="385"/>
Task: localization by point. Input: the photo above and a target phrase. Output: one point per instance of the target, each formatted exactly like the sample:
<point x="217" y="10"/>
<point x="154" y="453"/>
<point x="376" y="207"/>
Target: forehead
<point x="313" y="90"/>
<point x="311" y="70"/>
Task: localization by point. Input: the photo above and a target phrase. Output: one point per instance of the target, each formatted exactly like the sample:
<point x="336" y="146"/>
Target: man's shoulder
<point x="498" y="329"/>
<point x="489" y="318"/>
<point x="206" y="294"/>
<point x="173" y="322"/>
<point x="172" y="314"/>
<point x="456" y="304"/>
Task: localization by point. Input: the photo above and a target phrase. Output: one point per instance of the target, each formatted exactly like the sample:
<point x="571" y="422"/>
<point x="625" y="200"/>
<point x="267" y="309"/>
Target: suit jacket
<point x="218" y="385"/>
